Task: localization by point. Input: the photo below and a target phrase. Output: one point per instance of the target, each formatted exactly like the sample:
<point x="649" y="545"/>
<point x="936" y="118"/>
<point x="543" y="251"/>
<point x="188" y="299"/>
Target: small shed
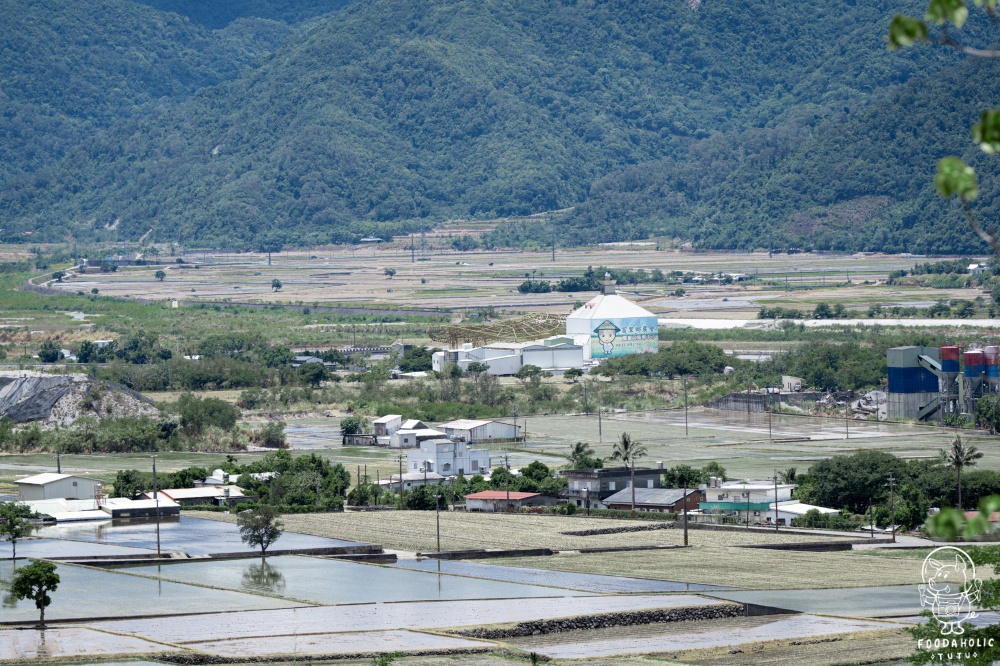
<point x="491" y="501"/>
<point x="55" y="486"/>
<point x="120" y="507"/>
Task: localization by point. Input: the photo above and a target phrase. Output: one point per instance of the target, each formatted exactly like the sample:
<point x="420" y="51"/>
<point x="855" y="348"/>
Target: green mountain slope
<point x="858" y="182"/>
<point x="387" y="116"/>
<point x="220" y="13"/>
<point x="71" y="69"/>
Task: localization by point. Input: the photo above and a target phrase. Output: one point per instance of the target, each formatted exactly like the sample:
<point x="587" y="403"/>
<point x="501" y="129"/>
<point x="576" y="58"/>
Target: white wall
<point x="72" y="487"/>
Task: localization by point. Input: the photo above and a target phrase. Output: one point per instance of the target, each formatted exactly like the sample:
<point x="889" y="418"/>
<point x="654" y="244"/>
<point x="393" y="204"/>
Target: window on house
<point x="649" y="483"/>
<point x="611" y="485"/>
<point x="722" y="497"/>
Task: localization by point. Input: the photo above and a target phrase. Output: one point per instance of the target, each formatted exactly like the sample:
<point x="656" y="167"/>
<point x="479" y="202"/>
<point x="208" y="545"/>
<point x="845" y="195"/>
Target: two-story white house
<point x="750" y="500"/>
<point x="449" y="458"/>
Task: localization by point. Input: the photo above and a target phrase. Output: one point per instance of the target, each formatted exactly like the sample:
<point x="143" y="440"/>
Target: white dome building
<point x="614" y="325"/>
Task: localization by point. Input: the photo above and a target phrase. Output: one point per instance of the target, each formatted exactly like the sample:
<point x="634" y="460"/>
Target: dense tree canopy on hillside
<point x="731" y="125"/>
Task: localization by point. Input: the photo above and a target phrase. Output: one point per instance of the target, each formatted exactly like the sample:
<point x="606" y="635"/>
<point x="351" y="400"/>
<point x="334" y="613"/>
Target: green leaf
<point x="987" y="131"/>
<point x="943" y="11"/>
<point x="947" y="524"/>
<point x="906" y="31"/>
<point x="955" y="178"/>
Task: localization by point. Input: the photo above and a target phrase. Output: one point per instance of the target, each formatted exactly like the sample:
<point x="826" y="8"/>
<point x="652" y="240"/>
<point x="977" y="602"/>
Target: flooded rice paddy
<point x="59" y="642"/>
<point x="337" y="643"/>
<point x="59" y="548"/>
<point x="325" y="581"/>
<point x="193" y="536"/>
<point x="891" y="601"/>
<point x="574" y="581"/>
<point x="86" y="592"/>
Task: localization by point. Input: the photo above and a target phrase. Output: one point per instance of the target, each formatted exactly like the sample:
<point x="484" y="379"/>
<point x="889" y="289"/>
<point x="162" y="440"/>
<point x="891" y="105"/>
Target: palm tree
<point x="628" y="451"/>
<point x="579" y="451"/>
<point x="958" y="457"/>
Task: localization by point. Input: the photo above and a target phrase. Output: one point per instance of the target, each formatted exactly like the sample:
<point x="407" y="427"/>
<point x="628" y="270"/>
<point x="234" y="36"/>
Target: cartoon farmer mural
<point x="606" y="334"/>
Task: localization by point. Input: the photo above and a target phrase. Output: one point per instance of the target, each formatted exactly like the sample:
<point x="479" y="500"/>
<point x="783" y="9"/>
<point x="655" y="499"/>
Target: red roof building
<point x="500" y="500"/>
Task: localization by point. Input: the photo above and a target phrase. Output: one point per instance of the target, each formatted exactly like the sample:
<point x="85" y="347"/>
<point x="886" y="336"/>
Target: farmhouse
<point x="410" y="480"/>
<point x="750" y="499"/>
<point x="594" y="485"/>
<point x="490" y="501"/>
<point x="657" y="500"/>
<point x="472" y="430"/>
<point x="449" y="458"/>
<point x="55" y="486"/>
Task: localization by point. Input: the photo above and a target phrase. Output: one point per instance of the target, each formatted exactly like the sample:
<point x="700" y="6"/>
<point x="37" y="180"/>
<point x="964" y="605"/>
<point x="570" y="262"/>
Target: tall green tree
<point x="958" y="457"/>
<point x="14" y="524"/>
<point x="34" y="582"/>
<point x="260" y="527"/>
<point x="629" y="451"/>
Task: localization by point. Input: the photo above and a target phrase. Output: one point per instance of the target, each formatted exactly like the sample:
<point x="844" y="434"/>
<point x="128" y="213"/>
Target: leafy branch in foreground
<point x="954" y="178"/>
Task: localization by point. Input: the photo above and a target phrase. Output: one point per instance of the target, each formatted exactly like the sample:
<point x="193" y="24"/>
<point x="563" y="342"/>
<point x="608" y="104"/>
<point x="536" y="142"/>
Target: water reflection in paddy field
<point x="64" y="642"/>
<point x="574" y="581"/>
<point x="95" y="593"/>
<point x="338" y="582"/>
<point x="194" y="536"/>
<point x="61" y="548"/>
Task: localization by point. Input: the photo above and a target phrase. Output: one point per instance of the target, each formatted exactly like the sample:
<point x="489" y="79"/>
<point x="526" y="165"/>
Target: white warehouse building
<point x="606" y="326"/>
<point x="449" y="458"/>
<point x="473" y="430"/>
<point x="57" y="486"/>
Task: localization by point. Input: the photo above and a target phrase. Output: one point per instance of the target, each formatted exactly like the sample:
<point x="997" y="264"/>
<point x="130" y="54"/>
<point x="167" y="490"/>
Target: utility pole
<point x="871" y="518"/>
<point x="437" y="516"/>
<point x="685" y="501"/>
<point x="847" y="419"/>
<point x="58" y="463"/>
<point x="600" y="428"/>
<point x="892" y="505"/>
<point x="684" y="381"/>
<point x="156" y="498"/>
<point x="506" y="464"/>
<point x="775" y="499"/>
<point x="748" y="508"/>
<point x="400" y="459"/>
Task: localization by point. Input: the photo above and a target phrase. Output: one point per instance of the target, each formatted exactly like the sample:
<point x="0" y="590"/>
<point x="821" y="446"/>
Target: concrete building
<point x="657" y="500"/>
<point x="386" y="425"/>
<point x="410" y="480"/>
<point x="613" y="325"/>
<point x="474" y="430"/>
<point x="449" y="458"/>
<point x="792" y="509"/>
<point x="556" y="353"/>
<point x="404" y="438"/>
<point x="490" y="501"/>
<point x="914" y="388"/>
<point x="594" y="485"/>
<point x="749" y="500"/>
<point x="54" y="486"/>
<point x="121" y="507"/>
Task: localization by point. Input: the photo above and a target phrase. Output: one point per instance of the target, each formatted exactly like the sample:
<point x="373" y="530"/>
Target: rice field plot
<point x="746" y="568"/>
<point x="884" y="647"/>
<point x="742" y="443"/>
<point x="416" y="531"/>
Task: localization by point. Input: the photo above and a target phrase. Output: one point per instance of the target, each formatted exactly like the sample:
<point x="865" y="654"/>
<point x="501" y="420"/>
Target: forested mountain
<point x="71" y="69"/>
<point x="220" y="13"/>
<point x="717" y="122"/>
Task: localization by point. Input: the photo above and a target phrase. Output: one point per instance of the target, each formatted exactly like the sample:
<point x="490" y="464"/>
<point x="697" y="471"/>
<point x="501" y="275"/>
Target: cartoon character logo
<point x="606" y="334"/>
<point x="950" y="588"/>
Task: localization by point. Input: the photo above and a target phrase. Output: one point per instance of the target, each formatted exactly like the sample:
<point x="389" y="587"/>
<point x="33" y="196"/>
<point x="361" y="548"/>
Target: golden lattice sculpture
<point x="519" y="329"/>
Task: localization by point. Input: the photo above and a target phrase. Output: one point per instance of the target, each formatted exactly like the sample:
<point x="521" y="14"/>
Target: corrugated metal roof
<point x="387" y="418"/>
<point x="48" y="477"/>
<point x="464" y="424"/>
<point x="500" y="495"/>
<point x="655" y="496"/>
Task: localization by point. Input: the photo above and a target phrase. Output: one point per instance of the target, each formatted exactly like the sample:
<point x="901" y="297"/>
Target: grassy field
<point x="745" y="568"/>
<point x="416" y="531"/>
